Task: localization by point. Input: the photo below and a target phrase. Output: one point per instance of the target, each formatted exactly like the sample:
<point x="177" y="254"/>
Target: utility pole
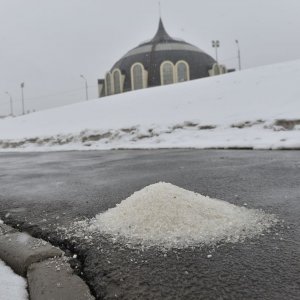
<point x="239" y="54"/>
<point x="11" y="103"/>
<point x="216" y="45"/>
<point x="86" y="87"/>
<point x="22" y="93"/>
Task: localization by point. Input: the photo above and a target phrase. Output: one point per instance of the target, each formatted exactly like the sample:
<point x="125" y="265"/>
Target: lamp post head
<point x="215" y="44"/>
<point x="22" y="85"/>
<point x="8" y="94"/>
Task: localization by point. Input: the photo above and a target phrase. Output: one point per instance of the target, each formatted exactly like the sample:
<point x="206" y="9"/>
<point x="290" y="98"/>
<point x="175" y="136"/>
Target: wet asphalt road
<point x="41" y="191"/>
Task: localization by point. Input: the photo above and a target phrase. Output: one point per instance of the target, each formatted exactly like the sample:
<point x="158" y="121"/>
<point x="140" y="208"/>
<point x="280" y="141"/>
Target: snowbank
<point x="255" y="108"/>
<point x="166" y="215"/>
<point x="12" y="286"/>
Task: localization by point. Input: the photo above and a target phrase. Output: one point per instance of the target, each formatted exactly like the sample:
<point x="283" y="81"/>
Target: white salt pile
<point x="166" y="215"/>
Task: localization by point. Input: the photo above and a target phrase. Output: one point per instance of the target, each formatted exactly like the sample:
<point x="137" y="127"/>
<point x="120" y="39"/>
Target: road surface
<point x="44" y="192"/>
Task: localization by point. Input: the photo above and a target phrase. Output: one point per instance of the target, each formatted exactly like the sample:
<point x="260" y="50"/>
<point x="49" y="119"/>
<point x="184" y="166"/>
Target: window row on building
<point x="169" y="73"/>
<point x="217" y="70"/>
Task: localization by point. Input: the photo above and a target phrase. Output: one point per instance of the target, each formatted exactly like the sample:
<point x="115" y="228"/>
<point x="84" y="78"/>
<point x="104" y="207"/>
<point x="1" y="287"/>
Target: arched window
<point x="167" y="74"/>
<point x="108" y="84"/>
<point x="216" y="69"/>
<point x="223" y="69"/>
<point x="118" y="86"/>
<point x="182" y="71"/>
<point x="138" y="77"/>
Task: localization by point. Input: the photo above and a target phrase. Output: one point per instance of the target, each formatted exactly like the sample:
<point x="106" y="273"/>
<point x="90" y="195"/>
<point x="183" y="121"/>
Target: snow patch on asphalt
<point x="166" y="215"/>
<point x="12" y="286"/>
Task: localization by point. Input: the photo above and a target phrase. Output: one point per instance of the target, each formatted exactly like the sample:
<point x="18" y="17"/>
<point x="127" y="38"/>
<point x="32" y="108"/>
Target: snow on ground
<point x="12" y="286"/>
<point x="256" y="108"/>
<point x="166" y="215"/>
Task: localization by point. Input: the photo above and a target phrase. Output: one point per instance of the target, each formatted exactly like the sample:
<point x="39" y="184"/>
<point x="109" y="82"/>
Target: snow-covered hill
<point x="256" y="108"/>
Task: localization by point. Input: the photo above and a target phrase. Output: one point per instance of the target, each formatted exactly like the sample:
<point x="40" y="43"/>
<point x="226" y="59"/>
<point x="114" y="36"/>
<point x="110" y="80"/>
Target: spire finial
<point x="159" y="9"/>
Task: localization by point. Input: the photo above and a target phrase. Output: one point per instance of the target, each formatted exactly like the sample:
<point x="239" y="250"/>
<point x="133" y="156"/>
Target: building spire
<point x="159" y="9"/>
<point x="161" y="34"/>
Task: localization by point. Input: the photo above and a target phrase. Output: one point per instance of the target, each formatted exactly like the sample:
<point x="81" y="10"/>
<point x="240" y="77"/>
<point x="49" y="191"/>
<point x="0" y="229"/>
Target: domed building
<point x="160" y="61"/>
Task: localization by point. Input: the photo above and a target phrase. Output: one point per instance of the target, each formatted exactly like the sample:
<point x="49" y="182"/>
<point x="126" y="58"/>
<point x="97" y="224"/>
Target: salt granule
<point x="167" y="215"/>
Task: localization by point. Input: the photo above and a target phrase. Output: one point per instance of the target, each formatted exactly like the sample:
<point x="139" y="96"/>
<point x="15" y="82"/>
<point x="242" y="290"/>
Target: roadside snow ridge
<point x="12" y="286"/>
<point x="167" y="215"/>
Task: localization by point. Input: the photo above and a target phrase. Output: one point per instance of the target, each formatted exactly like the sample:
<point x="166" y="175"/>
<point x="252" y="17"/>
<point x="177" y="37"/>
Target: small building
<point x="160" y="61"/>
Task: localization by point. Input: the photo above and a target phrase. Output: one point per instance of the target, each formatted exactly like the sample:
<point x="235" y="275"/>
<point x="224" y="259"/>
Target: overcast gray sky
<point x="49" y="43"/>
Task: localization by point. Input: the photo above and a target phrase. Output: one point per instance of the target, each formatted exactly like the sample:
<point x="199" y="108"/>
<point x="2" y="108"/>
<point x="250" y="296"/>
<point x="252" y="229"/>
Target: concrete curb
<point x="48" y="273"/>
<point x="20" y="250"/>
<point x="57" y="274"/>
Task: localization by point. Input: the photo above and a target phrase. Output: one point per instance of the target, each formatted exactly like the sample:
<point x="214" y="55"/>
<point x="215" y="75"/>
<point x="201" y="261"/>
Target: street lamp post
<point x="216" y="45"/>
<point x="11" y="103"/>
<point x="239" y="54"/>
<point x="22" y="94"/>
<point x="86" y="87"/>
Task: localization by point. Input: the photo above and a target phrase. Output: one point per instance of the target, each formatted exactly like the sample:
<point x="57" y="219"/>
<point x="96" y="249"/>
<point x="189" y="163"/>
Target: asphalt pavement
<point x="43" y="192"/>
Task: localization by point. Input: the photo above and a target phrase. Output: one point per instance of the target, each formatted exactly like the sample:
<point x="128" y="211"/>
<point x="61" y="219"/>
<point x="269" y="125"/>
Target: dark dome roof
<point x="161" y="48"/>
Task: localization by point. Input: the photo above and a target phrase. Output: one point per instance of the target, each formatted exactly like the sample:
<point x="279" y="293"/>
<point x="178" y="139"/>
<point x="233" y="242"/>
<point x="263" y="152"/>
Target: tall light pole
<point x="22" y="94"/>
<point x="86" y="87"/>
<point x="11" y="103"/>
<point x="216" y="45"/>
<point x="239" y="54"/>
